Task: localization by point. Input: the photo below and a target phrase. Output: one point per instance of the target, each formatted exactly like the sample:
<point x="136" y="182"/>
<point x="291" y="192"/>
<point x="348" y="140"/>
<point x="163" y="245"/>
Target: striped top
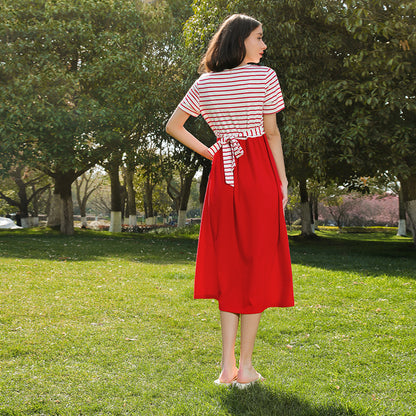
<point x="233" y="102"/>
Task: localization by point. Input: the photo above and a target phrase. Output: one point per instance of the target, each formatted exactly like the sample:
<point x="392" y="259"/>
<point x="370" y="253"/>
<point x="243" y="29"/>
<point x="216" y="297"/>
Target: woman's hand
<point x="207" y="155"/>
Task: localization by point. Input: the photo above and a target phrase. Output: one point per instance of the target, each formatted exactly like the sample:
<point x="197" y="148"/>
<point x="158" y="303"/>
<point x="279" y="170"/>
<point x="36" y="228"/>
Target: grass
<point x="101" y="324"/>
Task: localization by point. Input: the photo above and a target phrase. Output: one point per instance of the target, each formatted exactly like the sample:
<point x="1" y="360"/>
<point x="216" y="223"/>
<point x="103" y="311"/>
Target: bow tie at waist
<point x="232" y="150"/>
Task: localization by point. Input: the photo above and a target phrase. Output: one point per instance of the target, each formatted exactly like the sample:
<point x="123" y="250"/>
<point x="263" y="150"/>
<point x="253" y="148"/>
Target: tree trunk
<point x="35" y="202"/>
<point x="61" y="214"/>
<point x="311" y="213"/>
<point x="181" y="218"/>
<point x="35" y="205"/>
<point x="25" y="221"/>
<point x="115" y="222"/>
<point x="124" y="206"/>
<point x="408" y="186"/>
<point x="113" y="171"/>
<point x="83" y="212"/>
<point x="315" y="212"/>
<point x="185" y="193"/>
<point x="131" y="196"/>
<point x="64" y="182"/>
<point x="206" y="169"/>
<point x="67" y="221"/>
<point x="131" y="193"/>
<point x="132" y="220"/>
<point x="150" y="221"/>
<point x="148" y="199"/>
<point x="54" y="216"/>
<point x="49" y="202"/>
<point x="305" y="210"/>
<point x="23" y="201"/>
<point x="401" y="230"/>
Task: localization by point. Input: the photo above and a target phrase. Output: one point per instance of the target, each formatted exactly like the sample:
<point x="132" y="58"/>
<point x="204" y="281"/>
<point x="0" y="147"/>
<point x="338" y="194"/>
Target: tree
<point x="64" y="86"/>
<point x="151" y="172"/>
<point x="186" y="163"/>
<point x="112" y="166"/>
<point x="347" y="70"/>
<point x="85" y="185"/>
<point x="100" y="202"/>
<point x="338" y="204"/>
<point x="181" y="190"/>
<point x="150" y="105"/>
<point x="29" y="186"/>
<point x="379" y="91"/>
<point x="401" y="229"/>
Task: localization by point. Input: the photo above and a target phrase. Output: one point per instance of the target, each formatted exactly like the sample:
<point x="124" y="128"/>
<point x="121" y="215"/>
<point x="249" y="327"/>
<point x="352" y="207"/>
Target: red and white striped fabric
<point x="233" y="102"/>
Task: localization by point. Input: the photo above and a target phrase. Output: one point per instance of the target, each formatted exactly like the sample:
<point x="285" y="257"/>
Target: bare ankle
<point x="247" y="365"/>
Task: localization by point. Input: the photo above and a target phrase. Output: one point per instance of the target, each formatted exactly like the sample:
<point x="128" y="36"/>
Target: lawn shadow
<point x="261" y="400"/>
<point x="371" y="254"/>
<point x="96" y="246"/>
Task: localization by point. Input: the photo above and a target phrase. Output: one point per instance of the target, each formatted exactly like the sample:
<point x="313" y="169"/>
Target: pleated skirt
<point x="243" y="257"/>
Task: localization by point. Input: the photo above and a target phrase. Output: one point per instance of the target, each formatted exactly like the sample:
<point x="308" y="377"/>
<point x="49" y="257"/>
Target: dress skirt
<point x="243" y="257"/>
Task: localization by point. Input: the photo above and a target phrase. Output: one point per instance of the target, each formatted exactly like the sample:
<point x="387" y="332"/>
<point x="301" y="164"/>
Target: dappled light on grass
<point x="106" y="324"/>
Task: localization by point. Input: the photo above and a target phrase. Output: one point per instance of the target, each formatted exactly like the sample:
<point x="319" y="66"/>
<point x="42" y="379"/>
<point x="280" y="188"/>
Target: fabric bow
<point x="231" y="150"/>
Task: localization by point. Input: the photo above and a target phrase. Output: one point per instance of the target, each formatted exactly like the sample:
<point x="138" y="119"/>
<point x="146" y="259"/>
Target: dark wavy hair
<point x="226" y="49"/>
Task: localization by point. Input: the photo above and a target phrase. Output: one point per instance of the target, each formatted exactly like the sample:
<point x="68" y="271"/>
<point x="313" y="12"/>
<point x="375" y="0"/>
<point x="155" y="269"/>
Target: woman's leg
<point x="229" y="326"/>
<point x="249" y="325"/>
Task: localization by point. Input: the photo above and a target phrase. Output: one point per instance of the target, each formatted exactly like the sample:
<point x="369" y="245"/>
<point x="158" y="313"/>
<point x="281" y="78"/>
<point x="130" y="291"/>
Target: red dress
<point x="243" y="257"/>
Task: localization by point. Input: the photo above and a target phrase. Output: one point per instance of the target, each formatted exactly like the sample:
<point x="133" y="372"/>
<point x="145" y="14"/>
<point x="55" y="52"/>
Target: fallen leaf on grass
<point x="131" y="339"/>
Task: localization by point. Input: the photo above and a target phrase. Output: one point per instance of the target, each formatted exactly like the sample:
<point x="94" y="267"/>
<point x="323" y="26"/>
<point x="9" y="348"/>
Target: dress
<point x="243" y="257"/>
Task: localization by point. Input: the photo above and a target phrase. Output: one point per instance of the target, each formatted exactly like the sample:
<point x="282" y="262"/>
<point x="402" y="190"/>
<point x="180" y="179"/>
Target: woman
<point x="243" y="257"/>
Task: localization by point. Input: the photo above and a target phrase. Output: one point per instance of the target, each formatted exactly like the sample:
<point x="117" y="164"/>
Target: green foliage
<point x="81" y="80"/>
<point x="70" y="78"/>
<point x="347" y="72"/>
<point x="5" y="208"/>
<point x="379" y="86"/>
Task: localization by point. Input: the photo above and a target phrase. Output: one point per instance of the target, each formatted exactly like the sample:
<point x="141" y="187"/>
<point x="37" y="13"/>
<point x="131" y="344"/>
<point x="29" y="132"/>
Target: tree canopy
<point x="348" y="76"/>
<point x="92" y="81"/>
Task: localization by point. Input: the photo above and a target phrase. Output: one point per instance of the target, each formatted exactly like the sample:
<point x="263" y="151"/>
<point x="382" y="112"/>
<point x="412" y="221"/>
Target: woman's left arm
<point x="275" y="143"/>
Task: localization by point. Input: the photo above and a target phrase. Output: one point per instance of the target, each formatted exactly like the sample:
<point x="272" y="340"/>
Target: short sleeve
<point x="190" y="103"/>
<point x="273" y="102"/>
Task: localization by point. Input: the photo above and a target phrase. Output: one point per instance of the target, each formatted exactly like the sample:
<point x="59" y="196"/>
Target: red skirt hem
<point x="247" y="310"/>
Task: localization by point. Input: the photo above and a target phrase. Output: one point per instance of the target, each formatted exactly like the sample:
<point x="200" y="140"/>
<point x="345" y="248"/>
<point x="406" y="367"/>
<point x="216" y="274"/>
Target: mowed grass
<point x="101" y="324"/>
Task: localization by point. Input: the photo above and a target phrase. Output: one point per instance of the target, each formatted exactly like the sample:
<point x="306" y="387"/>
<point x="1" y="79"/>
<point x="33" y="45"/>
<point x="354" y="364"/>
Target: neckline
<point x="237" y="67"/>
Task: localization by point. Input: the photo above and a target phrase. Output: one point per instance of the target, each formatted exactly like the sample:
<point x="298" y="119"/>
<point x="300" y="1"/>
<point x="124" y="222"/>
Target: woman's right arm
<point x="175" y="127"/>
<point x="275" y="142"/>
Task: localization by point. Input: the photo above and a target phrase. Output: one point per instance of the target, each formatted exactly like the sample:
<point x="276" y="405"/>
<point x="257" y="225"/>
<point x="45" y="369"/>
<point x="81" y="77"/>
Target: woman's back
<point x="235" y="99"/>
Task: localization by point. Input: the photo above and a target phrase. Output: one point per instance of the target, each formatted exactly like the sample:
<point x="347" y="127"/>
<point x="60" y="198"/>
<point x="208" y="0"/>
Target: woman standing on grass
<point x="243" y="257"/>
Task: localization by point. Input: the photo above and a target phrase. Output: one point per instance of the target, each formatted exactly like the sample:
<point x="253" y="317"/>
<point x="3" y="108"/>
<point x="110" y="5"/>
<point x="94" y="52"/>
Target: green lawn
<point x="97" y="324"/>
